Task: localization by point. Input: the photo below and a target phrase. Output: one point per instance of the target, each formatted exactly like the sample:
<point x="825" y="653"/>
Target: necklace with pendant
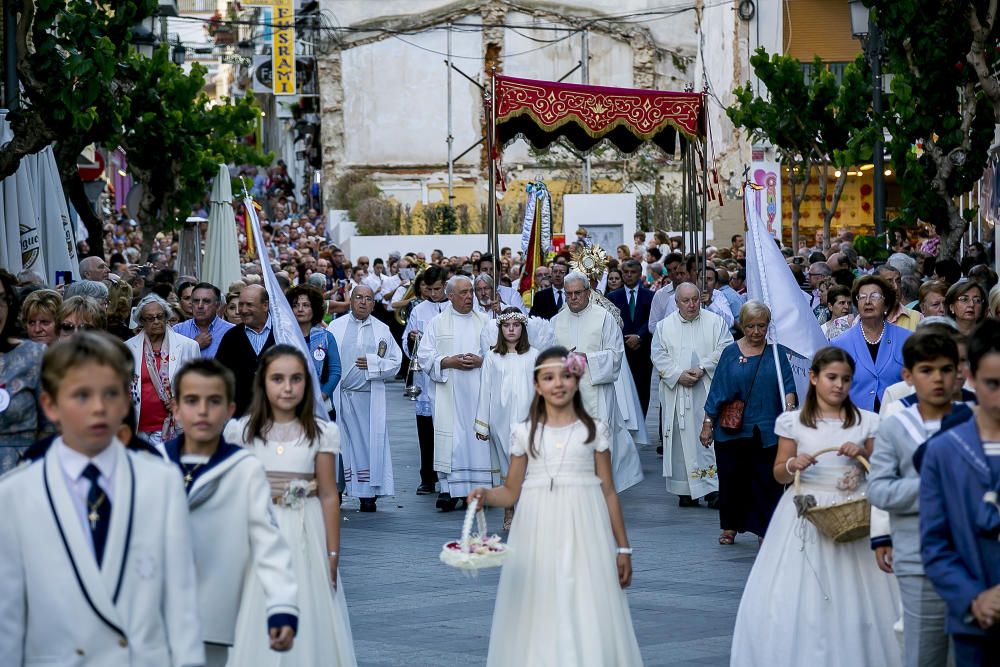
<point x="560" y="444"/>
<point x="189" y="472"/>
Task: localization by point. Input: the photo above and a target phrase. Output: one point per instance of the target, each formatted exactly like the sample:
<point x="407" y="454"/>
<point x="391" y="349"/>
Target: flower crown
<point x="574" y="362"/>
<point x="513" y="317"/>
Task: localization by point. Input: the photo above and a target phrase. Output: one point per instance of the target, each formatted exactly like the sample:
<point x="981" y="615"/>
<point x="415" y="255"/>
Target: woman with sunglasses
<point x="21" y="422"/>
<point x="158" y="353"/>
<point x="79" y="313"/>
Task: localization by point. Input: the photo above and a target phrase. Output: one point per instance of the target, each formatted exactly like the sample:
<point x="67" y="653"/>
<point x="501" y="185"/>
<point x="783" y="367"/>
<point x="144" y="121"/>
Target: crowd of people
<point x="189" y="407"/>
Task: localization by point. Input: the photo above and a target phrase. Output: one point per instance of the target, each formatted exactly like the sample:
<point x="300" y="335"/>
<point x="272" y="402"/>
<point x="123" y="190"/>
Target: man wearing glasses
<point x="242" y="345"/>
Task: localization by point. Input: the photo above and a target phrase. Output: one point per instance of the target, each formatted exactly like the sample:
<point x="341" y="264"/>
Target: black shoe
<point x="425" y="489"/>
<point x="367" y="504"/>
<point x="446" y="503"/>
<point x="659" y="450"/>
<point x="687" y="501"/>
<point x="712" y="500"/>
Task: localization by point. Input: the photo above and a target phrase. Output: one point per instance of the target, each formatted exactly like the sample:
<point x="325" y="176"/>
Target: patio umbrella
<point x="21" y="245"/>
<point x="221" y="265"/>
<point x="58" y="239"/>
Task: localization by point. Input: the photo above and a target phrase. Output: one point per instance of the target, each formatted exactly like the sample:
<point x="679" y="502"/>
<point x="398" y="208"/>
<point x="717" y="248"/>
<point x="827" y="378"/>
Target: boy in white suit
<point x="96" y="566"/>
<point x="234" y="532"/>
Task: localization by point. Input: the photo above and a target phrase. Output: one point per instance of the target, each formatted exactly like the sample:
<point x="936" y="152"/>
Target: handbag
<point x="731" y="412"/>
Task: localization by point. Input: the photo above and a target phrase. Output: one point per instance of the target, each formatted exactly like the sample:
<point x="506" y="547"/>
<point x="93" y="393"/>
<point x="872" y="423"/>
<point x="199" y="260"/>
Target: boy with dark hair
<point x="960" y="511"/>
<point x="231" y="521"/>
<point x="930" y="366"/>
<point x="96" y="566"/>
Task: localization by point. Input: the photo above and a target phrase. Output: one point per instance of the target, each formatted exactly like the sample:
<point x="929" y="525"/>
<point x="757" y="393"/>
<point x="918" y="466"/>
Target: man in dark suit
<point x="242" y="345"/>
<point x="547" y="302"/>
<point x="634" y="302"/>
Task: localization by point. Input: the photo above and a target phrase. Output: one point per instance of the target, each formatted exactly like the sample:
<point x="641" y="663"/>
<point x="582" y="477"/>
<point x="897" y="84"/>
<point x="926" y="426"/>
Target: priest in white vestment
<point x="686" y="349"/>
<point x="588" y="328"/>
<point x="451" y="355"/>
<point x="368" y="356"/>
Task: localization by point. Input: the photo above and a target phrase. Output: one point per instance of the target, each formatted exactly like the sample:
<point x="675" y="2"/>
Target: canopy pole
<point x="451" y="139"/>
<point x="585" y="76"/>
<point x="493" y="240"/>
<point x="704" y="200"/>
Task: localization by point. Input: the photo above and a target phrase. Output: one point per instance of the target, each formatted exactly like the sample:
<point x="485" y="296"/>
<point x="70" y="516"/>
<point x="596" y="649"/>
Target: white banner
<point x="283" y="325"/>
<point x="770" y="281"/>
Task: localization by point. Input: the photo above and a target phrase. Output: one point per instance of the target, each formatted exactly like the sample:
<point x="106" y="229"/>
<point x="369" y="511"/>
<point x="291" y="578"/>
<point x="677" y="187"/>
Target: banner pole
<point x="493" y="242"/>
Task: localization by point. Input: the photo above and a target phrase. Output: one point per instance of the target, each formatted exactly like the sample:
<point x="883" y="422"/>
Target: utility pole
<point x="878" y="184"/>
<point x="10" y="82"/>
<point x="585" y="75"/>
<point x="451" y="139"/>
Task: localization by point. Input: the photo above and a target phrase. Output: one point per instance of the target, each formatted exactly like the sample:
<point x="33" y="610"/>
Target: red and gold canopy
<point x="543" y="111"/>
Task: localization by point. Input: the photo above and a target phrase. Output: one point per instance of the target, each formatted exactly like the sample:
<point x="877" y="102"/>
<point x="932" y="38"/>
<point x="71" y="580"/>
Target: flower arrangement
<point x="296" y="493"/>
<point x="474" y="551"/>
<point x="704" y="473"/>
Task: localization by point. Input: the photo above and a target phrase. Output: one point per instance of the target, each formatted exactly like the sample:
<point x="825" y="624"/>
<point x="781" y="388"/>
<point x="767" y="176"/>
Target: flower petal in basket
<point x="474" y="551"/>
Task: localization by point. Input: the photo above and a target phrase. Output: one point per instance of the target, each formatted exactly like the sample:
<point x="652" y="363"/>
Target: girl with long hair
<point x="561" y="599"/>
<point x="505" y="392"/>
<point x="299" y="454"/>
<point x="810" y="600"/>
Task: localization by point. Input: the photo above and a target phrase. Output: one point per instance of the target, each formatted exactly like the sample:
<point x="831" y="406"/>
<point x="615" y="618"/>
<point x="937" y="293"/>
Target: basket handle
<point x="861" y="459"/>
<point x="473" y="511"/>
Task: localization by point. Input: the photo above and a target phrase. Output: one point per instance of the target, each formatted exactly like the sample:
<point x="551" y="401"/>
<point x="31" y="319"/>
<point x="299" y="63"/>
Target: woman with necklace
<point x="875" y="345"/>
<point x="748" y="372"/>
<point x="158" y="354"/>
<point x="561" y="599"/>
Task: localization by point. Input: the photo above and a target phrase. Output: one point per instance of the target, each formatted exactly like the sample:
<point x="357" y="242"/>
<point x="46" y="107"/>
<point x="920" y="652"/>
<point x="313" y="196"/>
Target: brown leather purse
<point x="731" y="412"/>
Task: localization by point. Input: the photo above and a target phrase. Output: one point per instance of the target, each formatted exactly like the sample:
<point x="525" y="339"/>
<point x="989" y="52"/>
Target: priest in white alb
<point x="588" y="328"/>
<point x="451" y="355"/>
<point x="368" y="356"/>
<point x="686" y="349"/>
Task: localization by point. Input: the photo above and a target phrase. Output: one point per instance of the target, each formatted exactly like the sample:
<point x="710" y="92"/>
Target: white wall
<point x="590" y="210"/>
<point x="453" y="244"/>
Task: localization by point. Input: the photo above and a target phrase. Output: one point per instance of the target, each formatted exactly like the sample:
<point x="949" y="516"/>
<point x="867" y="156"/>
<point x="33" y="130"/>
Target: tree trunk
<point x="795" y="178"/>
<point x="831" y="210"/>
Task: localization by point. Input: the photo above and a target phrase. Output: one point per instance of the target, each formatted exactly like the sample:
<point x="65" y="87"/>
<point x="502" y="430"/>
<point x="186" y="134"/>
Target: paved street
<point x="408" y="609"/>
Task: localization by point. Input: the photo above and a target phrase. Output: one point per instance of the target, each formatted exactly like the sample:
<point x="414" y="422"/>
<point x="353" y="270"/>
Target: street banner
<point x="770" y="281"/>
<point x="283" y="325"/>
<point x="283" y="48"/>
<point x="767" y="174"/>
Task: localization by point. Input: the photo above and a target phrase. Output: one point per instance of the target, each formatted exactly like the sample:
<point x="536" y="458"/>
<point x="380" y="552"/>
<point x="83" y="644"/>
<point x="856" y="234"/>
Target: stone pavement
<point x="408" y="609"/>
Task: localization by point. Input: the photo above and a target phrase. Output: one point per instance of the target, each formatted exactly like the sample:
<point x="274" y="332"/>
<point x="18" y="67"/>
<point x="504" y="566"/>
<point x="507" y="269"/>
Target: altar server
<point x="587" y="328"/>
<point x="234" y="530"/>
<point x="96" y="566"/>
<point x="450" y="354"/>
<point x="368" y="356"/>
<point x="686" y="349"/>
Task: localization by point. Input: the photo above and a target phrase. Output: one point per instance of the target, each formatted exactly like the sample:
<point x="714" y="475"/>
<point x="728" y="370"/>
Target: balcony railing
<point x="197" y="6"/>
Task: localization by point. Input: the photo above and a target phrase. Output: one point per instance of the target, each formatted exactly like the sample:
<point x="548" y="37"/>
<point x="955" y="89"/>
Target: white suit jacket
<point x="235" y="536"/>
<point x="58" y="608"/>
<point x="182" y="350"/>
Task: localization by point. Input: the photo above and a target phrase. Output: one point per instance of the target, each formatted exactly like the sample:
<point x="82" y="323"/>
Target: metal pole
<point x="451" y="139"/>
<point x="684" y="198"/>
<point x="491" y="214"/>
<point x="704" y="203"/>
<point x="10" y="81"/>
<point x="585" y="76"/>
<point x="878" y="185"/>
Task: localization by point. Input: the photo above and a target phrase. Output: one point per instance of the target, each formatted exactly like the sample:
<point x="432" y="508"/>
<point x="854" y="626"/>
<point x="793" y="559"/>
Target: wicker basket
<point x="474" y="551"/>
<point x="841" y="522"/>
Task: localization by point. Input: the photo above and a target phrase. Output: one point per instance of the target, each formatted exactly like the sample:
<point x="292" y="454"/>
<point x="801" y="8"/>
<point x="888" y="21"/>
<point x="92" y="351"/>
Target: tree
<point x="72" y="61"/>
<point x="942" y="113"/>
<point x="176" y="138"/>
<point x="812" y="124"/>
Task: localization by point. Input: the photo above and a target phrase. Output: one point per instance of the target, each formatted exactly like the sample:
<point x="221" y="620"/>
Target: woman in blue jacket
<point x="875" y="345"/>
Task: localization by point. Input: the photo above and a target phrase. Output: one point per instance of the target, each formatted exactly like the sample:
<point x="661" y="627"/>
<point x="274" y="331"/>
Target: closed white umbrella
<point x="22" y="242"/>
<point x="58" y="239"/>
<point x="221" y="265"/>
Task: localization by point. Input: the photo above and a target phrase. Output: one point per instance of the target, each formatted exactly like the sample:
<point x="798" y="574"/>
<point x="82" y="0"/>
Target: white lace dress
<point x="559" y="602"/>
<point x="324" y="633"/>
<point x="809" y="600"/>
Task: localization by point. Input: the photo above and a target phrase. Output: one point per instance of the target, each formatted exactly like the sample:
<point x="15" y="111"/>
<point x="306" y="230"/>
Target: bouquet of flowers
<point x="474" y="551"/>
<point x="296" y="493"/>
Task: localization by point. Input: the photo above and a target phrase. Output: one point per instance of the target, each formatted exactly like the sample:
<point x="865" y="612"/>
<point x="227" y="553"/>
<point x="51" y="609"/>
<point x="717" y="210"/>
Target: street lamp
<point x="177" y="53"/>
<point x="144" y="40"/>
<point x="864" y="29"/>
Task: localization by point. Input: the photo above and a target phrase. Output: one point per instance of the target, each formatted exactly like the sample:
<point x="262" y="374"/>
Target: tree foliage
<point x="176" y="137"/>
<point x="83" y="83"/>
<point x="814" y="124"/>
<point x="944" y="104"/>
